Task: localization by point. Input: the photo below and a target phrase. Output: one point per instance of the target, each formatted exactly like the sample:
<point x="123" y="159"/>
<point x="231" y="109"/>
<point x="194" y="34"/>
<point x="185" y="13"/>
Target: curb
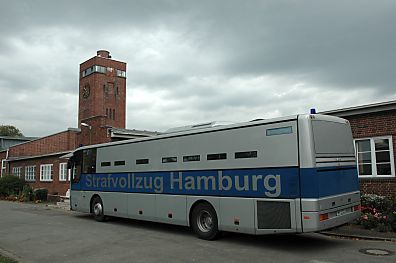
<point x="388" y="239"/>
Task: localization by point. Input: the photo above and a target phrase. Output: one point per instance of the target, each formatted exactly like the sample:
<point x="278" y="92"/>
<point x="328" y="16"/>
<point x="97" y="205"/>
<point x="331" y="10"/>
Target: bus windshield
<point x="332" y="137"/>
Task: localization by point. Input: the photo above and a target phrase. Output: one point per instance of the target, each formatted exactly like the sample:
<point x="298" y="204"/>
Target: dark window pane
<point x="119" y="163"/>
<point x="363" y="146"/>
<point x="89" y="161"/>
<point x="384" y="169"/>
<point x="216" y="156"/>
<point x="142" y="161"/>
<point x="381" y="144"/>
<point x="365" y="169"/>
<point x="104" y="164"/>
<point x="364" y="157"/>
<point x="250" y="154"/>
<point x="192" y="158"/>
<point x="382" y="157"/>
<point x="169" y="159"/>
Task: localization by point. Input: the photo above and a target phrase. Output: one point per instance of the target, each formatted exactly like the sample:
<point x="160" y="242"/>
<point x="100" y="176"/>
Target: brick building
<point x="101" y="118"/>
<point x="374" y="132"/>
<point x="5" y="143"/>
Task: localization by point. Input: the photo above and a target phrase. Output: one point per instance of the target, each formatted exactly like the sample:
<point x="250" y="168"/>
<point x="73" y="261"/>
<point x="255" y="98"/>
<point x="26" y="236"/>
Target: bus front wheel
<point x="204" y="221"/>
<point x="97" y="209"/>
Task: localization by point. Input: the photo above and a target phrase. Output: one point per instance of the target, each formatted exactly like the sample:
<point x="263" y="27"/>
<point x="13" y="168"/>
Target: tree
<point x="9" y="130"/>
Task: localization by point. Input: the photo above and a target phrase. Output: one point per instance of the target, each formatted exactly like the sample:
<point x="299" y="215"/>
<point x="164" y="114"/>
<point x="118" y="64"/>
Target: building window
<point x="121" y="73"/>
<point x="63" y="172"/>
<point x="17" y="171"/>
<point x="46" y="172"/>
<point x="30" y="173"/>
<point x="93" y="69"/>
<point x="375" y="157"/>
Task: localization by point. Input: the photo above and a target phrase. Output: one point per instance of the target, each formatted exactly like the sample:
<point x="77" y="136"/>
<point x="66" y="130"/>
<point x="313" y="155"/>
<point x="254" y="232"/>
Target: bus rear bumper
<point x="317" y="221"/>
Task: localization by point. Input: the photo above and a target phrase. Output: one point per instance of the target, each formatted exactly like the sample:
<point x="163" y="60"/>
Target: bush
<point x="378" y="212"/>
<point x="11" y="185"/>
<point x="40" y="194"/>
<point x="27" y="194"/>
<point x="377" y="202"/>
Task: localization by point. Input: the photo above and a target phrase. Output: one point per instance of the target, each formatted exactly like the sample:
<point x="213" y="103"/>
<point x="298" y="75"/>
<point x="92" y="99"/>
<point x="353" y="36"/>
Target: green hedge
<point x="11" y="185"/>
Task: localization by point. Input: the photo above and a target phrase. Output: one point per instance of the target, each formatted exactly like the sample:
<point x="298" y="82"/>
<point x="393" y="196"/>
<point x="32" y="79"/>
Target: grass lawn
<point x="6" y="260"/>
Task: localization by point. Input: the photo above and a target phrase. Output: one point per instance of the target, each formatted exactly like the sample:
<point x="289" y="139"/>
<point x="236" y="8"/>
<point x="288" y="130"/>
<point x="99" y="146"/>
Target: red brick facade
<point x="379" y="186"/>
<point x="376" y="124"/>
<point x="103" y="94"/>
<point x="59" y="142"/>
<point x="55" y="187"/>
<point x="47" y="150"/>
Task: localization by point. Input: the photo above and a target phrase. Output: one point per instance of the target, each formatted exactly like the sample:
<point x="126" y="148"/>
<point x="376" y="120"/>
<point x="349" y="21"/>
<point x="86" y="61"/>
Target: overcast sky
<point x="195" y="61"/>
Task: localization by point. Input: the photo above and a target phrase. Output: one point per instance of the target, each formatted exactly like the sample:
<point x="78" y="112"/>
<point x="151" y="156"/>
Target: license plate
<point x="341" y="212"/>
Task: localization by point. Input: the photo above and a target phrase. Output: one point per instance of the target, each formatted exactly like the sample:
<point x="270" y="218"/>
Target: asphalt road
<point x="36" y="233"/>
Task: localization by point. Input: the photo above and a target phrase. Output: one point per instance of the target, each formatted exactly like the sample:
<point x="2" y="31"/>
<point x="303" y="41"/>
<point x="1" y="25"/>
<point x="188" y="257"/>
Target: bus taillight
<point x="323" y="217"/>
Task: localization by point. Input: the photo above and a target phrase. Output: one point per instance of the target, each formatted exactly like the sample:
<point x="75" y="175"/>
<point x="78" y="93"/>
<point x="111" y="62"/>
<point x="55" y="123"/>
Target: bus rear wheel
<point x="97" y="209"/>
<point x="204" y="221"/>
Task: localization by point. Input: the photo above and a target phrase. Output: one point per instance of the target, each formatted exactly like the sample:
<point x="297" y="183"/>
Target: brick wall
<point x="59" y="142"/>
<point x="55" y="186"/>
<point x="107" y="92"/>
<point x="96" y="133"/>
<point x="374" y="125"/>
<point x="380" y="186"/>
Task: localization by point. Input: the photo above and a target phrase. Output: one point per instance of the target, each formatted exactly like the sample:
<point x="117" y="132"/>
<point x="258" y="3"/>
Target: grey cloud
<point x="336" y="49"/>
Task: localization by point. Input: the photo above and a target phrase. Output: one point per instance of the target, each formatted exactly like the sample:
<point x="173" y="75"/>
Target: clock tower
<point x="102" y="93"/>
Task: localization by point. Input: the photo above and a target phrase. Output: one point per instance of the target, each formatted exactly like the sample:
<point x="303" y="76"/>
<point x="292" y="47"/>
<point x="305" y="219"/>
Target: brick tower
<point x="102" y="96"/>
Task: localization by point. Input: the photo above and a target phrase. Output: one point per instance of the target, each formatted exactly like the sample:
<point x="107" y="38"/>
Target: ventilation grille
<point x="273" y="215"/>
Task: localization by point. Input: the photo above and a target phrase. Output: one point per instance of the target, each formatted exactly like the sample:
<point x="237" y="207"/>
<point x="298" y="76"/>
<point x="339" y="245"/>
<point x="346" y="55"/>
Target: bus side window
<point x="76" y="167"/>
<point x="89" y="161"/>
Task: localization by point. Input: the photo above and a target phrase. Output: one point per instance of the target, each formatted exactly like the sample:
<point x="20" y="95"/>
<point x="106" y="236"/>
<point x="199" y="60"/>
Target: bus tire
<point x="204" y="221"/>
<point x="97" y="209"/>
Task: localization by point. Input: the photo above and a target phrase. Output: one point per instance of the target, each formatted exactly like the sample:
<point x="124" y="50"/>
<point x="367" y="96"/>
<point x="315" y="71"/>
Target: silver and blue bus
<point x="285" y="175"/>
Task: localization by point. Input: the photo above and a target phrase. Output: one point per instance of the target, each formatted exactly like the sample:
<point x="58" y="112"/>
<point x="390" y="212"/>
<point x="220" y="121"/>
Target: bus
<point x="284" y="175"/>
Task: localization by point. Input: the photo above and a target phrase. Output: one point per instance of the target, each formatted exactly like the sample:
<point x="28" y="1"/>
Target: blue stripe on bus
<point x="320" y="182"/>
<point x="272" y="182"/>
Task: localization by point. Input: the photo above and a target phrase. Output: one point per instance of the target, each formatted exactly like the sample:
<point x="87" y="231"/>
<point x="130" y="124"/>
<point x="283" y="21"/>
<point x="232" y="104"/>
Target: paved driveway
<point x="35" y="233"/>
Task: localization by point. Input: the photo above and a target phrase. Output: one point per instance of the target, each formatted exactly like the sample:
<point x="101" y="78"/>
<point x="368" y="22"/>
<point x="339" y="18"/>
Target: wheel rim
<point x="205" y="221"/>
<point x="98" y="209"/>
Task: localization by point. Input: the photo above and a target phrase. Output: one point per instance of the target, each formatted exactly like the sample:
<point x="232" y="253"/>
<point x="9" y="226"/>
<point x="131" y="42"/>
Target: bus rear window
<point x="332" y="137"/>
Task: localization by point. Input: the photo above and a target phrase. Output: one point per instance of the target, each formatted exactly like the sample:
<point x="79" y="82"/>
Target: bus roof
<point x="205" y="130"/>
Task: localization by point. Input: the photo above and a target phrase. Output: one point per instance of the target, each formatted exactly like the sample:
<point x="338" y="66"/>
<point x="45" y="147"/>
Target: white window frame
<point x="373" y="157"/>
<point x="17" y="171"/>
<point x="46" y="172"/>
<point x="30" y="173"/>
<point x="63" y="172"/>
<point x="3" y="167"/>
